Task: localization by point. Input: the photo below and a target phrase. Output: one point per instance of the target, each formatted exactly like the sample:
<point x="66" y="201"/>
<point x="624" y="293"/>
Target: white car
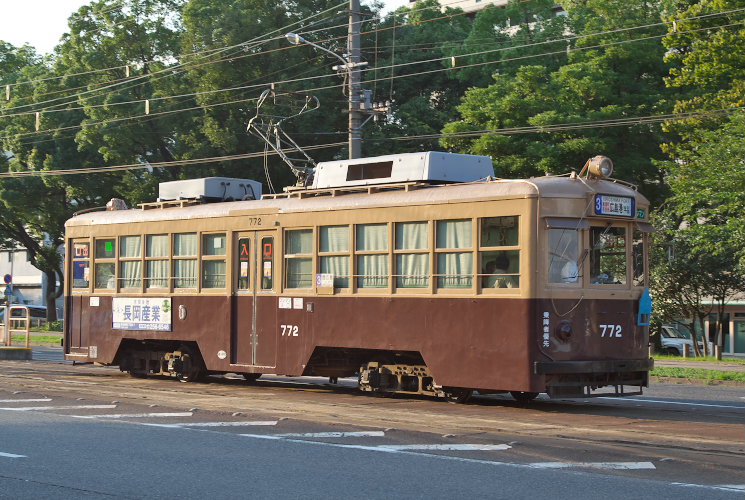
<point x="673" y="341"/>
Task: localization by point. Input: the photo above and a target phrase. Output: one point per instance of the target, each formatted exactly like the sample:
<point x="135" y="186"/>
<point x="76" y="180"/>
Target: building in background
<point x="472" y="6"/>
<point x="27" y="284"/>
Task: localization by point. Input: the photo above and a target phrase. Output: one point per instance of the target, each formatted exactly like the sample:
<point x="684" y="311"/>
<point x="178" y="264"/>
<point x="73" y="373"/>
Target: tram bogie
<point x="521" y="286"/>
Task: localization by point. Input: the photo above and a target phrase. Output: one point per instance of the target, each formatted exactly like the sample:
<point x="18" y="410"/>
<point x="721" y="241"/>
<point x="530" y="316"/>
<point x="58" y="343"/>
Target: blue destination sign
<point x="614" y="205"/>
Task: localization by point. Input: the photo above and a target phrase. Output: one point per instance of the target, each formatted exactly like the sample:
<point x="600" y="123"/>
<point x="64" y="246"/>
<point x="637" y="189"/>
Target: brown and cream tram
<point x="418" y="273"/>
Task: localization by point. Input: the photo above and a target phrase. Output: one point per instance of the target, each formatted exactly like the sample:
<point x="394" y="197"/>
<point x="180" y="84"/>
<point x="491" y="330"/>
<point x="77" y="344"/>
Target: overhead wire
<point x="212" y="51"/>
<point x="288" y="81"/>
<point x="638" y="120"/>
<point x="209" y="52"/>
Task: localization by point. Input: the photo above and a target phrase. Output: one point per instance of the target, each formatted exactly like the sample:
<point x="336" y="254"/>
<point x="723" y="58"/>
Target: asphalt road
<point x="92" y="432"/>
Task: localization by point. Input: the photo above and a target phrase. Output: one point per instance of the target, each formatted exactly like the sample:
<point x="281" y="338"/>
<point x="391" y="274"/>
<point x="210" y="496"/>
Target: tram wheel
<point x="524" y="397"/>
<point x="251" y="378"/>
<point x="131" y="363"/>
<point x="458" y="396"/>
<point x="190" y="368"/>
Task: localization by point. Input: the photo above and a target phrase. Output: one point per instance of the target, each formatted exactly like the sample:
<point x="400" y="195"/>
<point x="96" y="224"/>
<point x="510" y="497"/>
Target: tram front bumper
<point x="577" y="379"/>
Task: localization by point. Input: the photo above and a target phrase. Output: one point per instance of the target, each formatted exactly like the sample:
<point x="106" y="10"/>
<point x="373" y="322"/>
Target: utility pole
<point x="359" y="101"/>
<point x="354" y="58"/>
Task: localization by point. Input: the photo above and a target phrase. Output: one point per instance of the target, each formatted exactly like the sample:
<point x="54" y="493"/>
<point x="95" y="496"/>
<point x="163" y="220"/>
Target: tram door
<point x="253" y="331"/>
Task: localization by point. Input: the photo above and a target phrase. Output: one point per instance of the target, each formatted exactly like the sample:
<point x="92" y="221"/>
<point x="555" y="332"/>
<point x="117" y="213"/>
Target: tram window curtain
<point x="299" y="263"/>
<point x="372" y="270"/>
<point x="454" y="233"/>
<point x="335" y="239"/>
<point x="157" y="274"/>
<point x="157" y="245"/>
<point x="130" y="247"/>
<point x="454" y="269"/>
<point x="185" y="273"/>
<point x="371" y="237"/>
<point x="412" y="268"/>
<point x="339" y="267"/>
<point x="184" y="270"/>
<point x="131" y="274"/>
<point x="185" y="245"/>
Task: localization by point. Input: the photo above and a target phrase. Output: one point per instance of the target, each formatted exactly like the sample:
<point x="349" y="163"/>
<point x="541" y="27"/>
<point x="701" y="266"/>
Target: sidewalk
<point x="704" y="365"/>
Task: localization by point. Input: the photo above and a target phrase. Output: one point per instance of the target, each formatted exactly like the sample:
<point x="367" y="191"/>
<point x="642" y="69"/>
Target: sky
<point x="23" y="24"/>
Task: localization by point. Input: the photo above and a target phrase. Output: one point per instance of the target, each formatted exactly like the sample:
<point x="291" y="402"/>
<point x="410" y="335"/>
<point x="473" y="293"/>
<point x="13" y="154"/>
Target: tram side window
<point x="334" y="253"/>
<point x="563" y="255"/>
<point x="157" y="253"/>
<point x="412" y="255"/>
<point x="299" y="258"/>
<point x="608" y="255"/>
<point x="213" y="260"/>
<point x="105" y="263"/>
<point x="244" y="261"/>
<point x="80" y="265"/>
<point x="500" y="263"/>
<point x="267" y="263"/>
<point x="637" y="252"/>
<point x="372" y="255"/>
<point x="130" y="263"/>
<point x="454" y="244"/>
<point x="185" y="260"/>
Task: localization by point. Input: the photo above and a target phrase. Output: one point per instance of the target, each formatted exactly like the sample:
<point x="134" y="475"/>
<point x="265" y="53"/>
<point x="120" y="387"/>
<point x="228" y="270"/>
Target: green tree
<point x="706" y="50"/>
<point x="414" y="41"/>
<point x="612" y="72"/>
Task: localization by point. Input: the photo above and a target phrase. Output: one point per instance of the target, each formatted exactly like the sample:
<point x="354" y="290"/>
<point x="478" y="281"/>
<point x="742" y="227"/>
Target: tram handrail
<point x="9" y="320"/>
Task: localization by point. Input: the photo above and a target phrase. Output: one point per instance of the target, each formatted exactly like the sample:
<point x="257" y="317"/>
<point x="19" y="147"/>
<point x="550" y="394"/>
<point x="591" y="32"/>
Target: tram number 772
<point x="289" y="330"/>
<point x="611" y="331"/>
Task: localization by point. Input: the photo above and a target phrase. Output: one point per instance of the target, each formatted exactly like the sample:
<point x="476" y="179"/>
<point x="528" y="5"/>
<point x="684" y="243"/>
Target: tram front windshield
<point x="603" y="260"/>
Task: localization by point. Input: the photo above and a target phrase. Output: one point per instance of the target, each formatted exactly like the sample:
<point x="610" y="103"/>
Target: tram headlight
<point x="600" y="166"/>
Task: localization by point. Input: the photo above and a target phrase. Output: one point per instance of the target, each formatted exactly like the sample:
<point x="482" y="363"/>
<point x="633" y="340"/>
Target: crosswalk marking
<point x="138" y="415"/>
<point x="43" y="408"/>
<point x="595" y="465"/>
<point x="41" y="400"/>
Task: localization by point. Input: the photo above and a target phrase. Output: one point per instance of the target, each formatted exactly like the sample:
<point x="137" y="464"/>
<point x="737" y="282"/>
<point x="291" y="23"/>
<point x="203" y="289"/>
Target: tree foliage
<point x="611" y="72"/>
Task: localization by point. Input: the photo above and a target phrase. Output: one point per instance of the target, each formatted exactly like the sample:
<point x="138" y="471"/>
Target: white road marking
<point x="332" y="434"/>
<point x="138" y="415"/>
<point x="77" y="382"/>
<point x="595" y="465"/>
<point x="227" y="424"/>
<point x="42" y="408"/>
<point x="447" y="447"/>
<point x="674" y="402"/>
<point x="25" y="400"/>
<point x="720" y="487"/>
<point x="11" y="455"/>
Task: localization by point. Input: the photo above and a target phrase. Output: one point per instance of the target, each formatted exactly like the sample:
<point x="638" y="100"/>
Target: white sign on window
<point x="143" y="313"/>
